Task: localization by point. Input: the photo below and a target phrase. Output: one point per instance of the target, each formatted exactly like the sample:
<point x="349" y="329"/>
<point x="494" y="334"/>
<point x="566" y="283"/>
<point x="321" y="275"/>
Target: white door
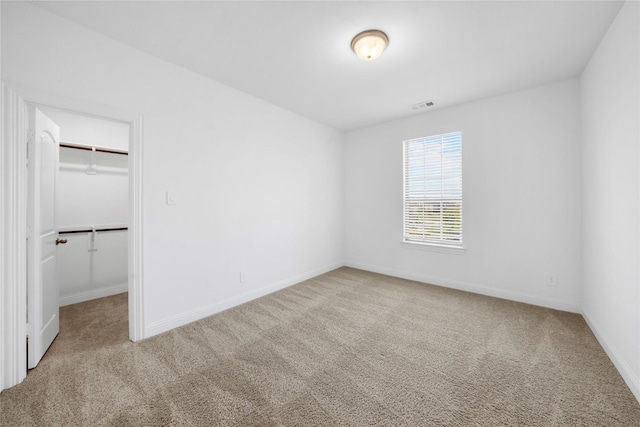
<point x="42" y="287"/>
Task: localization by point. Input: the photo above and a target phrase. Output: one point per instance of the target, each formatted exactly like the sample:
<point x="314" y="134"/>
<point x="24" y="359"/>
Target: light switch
<point x="172" y="199"/>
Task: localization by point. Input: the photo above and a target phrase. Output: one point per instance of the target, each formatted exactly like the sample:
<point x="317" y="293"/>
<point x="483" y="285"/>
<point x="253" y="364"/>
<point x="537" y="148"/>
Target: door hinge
<point x="29" y="232"/>
<point x="29" y="330"/>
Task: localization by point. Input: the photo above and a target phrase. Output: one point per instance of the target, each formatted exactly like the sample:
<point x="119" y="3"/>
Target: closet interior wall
<point x="92" y="192"/>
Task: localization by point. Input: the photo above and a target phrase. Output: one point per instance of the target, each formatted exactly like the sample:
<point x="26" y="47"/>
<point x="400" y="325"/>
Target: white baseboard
<point x="92" y="294"/>
<point x="633" y="382"/>
<point x="474" y="288"/>
<point x="164" y="325"/>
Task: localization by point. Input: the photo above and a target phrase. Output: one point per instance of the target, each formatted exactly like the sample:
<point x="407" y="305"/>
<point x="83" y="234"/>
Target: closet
<point x="92" y="207"/>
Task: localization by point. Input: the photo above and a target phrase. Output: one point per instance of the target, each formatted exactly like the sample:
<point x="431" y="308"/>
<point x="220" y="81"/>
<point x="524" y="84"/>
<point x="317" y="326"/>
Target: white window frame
<point x="439" y="245"/>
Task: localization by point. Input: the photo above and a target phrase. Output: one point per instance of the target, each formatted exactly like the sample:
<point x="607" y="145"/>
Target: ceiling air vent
<point x="421" y="105"/>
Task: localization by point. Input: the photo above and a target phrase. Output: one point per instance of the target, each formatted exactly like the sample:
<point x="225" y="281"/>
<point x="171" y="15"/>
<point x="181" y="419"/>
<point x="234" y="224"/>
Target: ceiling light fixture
<point x="370" y="44"/>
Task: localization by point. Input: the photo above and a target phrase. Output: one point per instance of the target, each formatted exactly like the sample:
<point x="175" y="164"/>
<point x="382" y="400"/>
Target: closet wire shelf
<point x="98" y="149"/>
<point x="90" y="230"/>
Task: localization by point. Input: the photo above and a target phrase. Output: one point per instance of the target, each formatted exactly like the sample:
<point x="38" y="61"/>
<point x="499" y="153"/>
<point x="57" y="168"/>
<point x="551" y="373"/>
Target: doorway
<point x="13" y="224"/>
<point x="78" y="181"/>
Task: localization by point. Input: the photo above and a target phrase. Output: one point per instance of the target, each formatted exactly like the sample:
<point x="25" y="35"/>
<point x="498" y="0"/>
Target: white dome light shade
<point x="370" y="44"/>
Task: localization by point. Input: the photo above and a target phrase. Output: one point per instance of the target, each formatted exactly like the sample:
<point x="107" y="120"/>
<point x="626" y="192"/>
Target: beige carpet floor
<point x="345" y="348"/>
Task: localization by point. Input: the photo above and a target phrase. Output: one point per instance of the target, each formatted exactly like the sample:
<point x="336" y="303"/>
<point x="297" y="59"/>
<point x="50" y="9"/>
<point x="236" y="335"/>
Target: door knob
<point x="63" y="241"/>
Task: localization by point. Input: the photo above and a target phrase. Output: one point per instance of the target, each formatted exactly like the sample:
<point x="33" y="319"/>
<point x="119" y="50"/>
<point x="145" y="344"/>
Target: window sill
<point x="435" y="248"/>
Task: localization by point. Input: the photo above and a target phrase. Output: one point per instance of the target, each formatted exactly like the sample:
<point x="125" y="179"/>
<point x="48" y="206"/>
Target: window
<point x="433" y="190"/>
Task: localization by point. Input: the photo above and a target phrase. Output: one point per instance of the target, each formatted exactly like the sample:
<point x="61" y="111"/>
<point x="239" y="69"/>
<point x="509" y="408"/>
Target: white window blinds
<point x="433" y="190"/>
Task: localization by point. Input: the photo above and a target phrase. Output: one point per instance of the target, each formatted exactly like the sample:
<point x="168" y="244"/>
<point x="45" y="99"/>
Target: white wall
<point x="91" y="266"/>
<point x="258" y="188"/>
<point x="610" y="126"/>
<point x="522" y="197"/>
<point x="99" y="199"/>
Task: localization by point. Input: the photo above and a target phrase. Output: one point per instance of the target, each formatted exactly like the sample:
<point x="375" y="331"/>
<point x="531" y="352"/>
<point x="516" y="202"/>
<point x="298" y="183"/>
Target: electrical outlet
<point x="243" y="277"/>
<point x="552" y="280"/>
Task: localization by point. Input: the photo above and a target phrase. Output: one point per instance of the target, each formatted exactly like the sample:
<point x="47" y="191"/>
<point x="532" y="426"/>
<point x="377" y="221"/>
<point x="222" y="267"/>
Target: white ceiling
<point x="297" y="54"/>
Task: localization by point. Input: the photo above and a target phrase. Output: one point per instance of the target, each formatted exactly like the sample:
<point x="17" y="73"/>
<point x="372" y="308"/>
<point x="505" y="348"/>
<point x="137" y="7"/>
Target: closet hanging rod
<point x="89" y="230"/>
<point x="85" y="147"/>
